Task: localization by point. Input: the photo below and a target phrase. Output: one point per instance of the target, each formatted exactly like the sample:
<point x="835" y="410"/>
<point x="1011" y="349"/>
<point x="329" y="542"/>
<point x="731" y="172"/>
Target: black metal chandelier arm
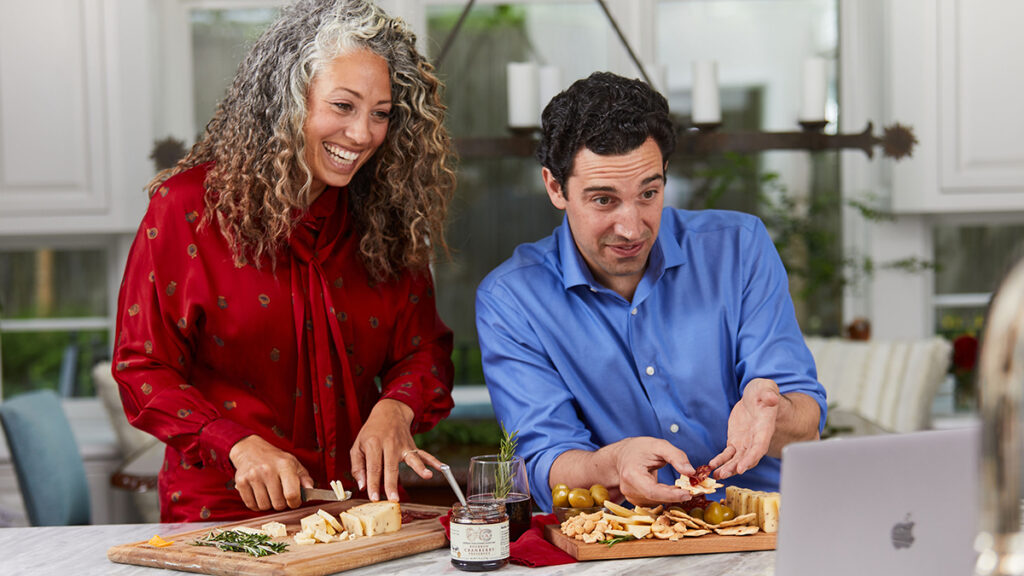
<point x="451" y="35"/>
<point x="625" y="43"/>
<point x="450" y="39"/>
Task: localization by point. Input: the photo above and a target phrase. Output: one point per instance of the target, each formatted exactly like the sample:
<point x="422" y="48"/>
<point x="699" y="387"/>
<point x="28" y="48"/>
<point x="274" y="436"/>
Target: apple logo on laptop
<point x="903" y="533"/>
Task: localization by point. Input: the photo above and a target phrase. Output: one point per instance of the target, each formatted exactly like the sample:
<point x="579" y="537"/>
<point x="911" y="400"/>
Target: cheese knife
<point x="311" y="494"/>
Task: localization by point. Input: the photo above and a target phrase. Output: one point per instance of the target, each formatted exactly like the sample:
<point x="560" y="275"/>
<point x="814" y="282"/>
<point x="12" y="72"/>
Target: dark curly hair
<point x="607" y="114"/>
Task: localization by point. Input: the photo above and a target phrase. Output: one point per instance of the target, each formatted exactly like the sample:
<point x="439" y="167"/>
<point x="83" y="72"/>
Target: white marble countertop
<point x="82" y="551"/>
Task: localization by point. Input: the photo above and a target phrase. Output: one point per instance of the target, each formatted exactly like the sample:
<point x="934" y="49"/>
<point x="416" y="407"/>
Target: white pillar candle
<point x="706" y="108"/>
<point x="812" y="107"/>
<point x="523" y="109"/>
<point x="550" y="85"/>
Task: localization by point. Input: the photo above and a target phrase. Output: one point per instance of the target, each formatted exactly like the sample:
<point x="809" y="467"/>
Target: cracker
<point x="741" y="520"/>
<point x="738" y="530"/>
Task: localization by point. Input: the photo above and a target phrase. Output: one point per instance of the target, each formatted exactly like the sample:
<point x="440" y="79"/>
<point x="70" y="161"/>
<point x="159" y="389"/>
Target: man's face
<point x="614" y="210"/>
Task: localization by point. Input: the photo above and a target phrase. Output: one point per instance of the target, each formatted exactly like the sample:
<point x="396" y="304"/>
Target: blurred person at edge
<point x="639" y="341"/>
<point x="276" y="324"/>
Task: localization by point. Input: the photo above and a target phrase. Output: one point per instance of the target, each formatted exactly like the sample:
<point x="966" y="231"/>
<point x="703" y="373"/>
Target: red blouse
<point x="208" y="352"/>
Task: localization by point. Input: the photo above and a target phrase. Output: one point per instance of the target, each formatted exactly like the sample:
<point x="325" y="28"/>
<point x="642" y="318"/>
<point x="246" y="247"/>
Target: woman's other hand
<point x="384" y="441"/>
<point x="266" y="476"/>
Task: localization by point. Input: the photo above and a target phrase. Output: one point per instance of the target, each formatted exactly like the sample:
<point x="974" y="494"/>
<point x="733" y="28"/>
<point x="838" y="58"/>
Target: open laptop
<point x="903" y="504"/>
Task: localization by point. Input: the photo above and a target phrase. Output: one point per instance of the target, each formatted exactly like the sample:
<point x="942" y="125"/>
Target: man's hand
<point x="383" y="442"/>
<point x="639" y="460"/>
<point x="266" y="476"/>
<point x="628" y="467"/>
<point x="751" y="428"/>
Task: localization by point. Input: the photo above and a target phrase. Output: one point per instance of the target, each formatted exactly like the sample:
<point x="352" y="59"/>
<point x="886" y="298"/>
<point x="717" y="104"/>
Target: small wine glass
<point x="494" y="480"/>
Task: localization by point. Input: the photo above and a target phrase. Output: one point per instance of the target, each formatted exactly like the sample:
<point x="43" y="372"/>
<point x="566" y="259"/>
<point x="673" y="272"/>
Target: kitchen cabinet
<point x="74" y="116"/>
<point x="955" y="74"/>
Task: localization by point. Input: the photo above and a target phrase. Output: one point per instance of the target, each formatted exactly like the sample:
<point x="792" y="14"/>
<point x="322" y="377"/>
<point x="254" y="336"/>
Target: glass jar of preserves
<point x="479" y="536"/>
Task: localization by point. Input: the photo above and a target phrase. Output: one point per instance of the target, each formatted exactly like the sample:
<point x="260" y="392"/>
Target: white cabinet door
<point x="54" y="146"/>
<point x="74" y="115"/>
<point x="955" y="74"/>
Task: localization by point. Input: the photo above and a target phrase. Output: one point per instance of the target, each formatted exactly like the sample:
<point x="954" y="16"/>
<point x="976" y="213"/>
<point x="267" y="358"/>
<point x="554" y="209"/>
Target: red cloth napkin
<point x="531" y="549"/>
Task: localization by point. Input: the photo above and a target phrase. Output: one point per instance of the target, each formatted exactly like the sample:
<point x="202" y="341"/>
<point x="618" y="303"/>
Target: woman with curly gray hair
<point x="277" y="325"/>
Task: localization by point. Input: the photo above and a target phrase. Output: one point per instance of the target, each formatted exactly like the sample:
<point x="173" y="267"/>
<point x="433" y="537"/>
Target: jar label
<point x="479" y="542"/>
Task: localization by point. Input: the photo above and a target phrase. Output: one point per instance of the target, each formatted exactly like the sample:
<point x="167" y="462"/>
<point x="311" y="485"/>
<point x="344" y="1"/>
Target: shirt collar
<point x="665" y="254"/>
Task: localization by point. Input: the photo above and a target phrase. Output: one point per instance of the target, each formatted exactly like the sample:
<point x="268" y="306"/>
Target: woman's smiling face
<point x="348" y="107"/>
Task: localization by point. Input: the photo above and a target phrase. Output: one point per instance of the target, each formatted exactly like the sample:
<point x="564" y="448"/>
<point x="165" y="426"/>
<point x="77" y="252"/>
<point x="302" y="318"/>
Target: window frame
<point x="115" y="246"/>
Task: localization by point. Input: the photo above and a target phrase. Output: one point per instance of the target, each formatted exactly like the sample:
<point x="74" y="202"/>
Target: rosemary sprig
<point x="613" y="541"/>
<point x="503" y="473"/>
<point x="235" y="541"/>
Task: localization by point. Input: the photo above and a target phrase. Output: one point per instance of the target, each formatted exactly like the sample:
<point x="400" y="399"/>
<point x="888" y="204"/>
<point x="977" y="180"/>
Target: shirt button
<point x="674" y="428"/>
<point x="592" y="289"/>
<point x="650" y="370"/>
<point x="633" y="311"/>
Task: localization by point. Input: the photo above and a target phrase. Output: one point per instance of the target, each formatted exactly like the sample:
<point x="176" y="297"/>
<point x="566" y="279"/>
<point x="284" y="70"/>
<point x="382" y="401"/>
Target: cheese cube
<point x="377" y="517"/>
<point x="310" y="524"/>
<point x="275" y="529"/>
<point x="323" y="536"/>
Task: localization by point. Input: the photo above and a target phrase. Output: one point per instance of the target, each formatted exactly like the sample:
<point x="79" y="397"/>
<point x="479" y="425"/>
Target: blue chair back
<point x="46" y="459"/>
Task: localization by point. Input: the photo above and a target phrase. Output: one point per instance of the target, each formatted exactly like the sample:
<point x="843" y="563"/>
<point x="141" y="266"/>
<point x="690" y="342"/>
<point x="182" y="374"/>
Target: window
<point x="55" y="309"/>
<point x="220" y="40"/>
<point x="972" y="260"/>
<point x="500" y="202"/>
<point x="759" y="48"/>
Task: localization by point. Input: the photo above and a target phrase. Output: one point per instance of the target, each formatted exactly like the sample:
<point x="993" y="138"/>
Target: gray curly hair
<point x="260" y="181"/>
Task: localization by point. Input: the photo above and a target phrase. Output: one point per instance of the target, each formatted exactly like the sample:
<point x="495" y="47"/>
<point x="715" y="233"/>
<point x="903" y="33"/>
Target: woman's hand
<point x="266" y="476"/>
<point x="384" y="441"/>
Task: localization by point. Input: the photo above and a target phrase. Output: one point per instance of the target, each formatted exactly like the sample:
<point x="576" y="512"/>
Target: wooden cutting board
<point x="418" y="535"/>
<point x="706" y="544"/>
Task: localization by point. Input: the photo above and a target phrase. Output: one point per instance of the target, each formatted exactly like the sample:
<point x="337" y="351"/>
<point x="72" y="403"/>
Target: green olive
<point x="599" y="494"/>
<point x="714" y="514"/>
<point x="580" y="498"/>
<point x="697" y="512"/>
<point x="560" y="496"/>
<point x="727" y="513"/>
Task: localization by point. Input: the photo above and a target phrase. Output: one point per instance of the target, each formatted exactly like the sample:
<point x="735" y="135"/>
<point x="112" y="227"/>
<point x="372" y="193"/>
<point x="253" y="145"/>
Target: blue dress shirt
<point x="571" y="364"/>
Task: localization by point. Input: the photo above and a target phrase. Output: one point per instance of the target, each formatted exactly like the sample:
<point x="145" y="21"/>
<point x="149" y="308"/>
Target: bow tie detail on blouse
<point x="324" y="380"/>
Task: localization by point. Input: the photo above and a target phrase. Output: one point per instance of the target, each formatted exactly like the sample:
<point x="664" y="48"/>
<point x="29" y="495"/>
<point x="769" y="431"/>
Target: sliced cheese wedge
<point x="331" y="520"/>
<point x="352" y="524"/>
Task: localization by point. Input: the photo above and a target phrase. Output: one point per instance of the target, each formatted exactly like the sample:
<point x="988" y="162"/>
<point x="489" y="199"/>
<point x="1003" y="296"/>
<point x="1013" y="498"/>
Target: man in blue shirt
<point x="638" y="342"/>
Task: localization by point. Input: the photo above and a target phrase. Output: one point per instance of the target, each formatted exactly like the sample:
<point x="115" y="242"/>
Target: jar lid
<point x="488" y="508"/>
